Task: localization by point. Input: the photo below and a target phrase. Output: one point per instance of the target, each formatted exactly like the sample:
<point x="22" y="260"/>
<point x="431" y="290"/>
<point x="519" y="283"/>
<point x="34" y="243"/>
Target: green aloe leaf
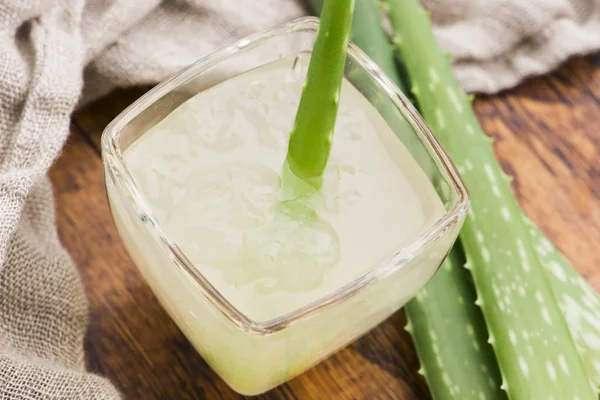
<point x="451" y="338"/>
<point x="536" y="354"/>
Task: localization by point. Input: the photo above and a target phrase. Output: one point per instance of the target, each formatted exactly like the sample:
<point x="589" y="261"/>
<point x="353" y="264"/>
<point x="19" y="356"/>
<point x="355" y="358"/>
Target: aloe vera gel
<point x="212" y="175"/>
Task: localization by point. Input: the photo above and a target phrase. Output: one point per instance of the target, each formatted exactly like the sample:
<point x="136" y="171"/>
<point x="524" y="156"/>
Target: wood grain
<point x="546" y="135"/>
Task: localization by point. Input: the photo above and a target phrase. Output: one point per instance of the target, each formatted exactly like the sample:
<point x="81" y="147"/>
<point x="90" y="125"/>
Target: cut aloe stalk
<point x="368" y="34"/>
<point x="312" y="134"/>
<point x="537" y="357"/>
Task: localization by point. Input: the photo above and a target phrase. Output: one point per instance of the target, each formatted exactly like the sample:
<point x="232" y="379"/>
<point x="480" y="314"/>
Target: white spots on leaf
<point x="523" y="254"/>
<point x="470" y="330"/>
<point x="512" y="336"/>
<point x="438" y="359"/>
<point x="496" y="191"/>
<point x="468" y="165"/>
<point x="470" y="129"/>
<point x="454" y="98"/>
<point x="490" y="173"/>
<point x="482" y="396"/>
<point x="590" y="294"/>
<point x="523" y="366"/>
<point x="541" y="250"/>
<point x="433" y="74"/>
<point x="551" y="371"/>
<point x="557" y="270"/>
<point x="496" y="290"/>
<point x="596" y="365"/>
<point x="479" y="235"/>
<point x="522" y="291"/>
<point x="525" y="335"/>
<point x="471" y="333"/>
<point x="530" y="350"/>
<point x="562" y="362"/>
<point x="439" y="116"/>
<point x="485" y="253"/>
<point x="505" y="214"/>
<point x="538" y="296"/>
<point x="546" y="316"/>
<point x="591" y="340"/>
<point x="547" y="244"/>
<point x="446" y="379"/>
<point x="521" y="248"/>
<point x="588" y="302"/>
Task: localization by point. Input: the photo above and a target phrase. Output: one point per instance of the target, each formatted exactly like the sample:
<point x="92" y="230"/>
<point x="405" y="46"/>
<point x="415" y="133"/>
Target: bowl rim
<point x="114" y="164"/>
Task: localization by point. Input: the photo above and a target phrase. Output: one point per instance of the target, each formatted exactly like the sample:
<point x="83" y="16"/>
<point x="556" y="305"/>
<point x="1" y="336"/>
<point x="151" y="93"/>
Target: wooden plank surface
<point x="547" y="136"/>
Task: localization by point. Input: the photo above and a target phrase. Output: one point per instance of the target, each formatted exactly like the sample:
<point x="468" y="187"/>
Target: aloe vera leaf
<point x="368" y="34"/>
<point x="535" y="352"/>
<point x="312" y="134"/>
<point x="440" y="340"/>
<point x="579" y="303"/>
<point x="450" y="336"/>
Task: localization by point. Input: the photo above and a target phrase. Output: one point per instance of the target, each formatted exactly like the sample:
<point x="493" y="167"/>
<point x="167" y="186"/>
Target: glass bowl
<point x="255" y="356"/>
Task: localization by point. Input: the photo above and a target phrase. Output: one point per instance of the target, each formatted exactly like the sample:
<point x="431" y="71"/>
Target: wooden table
<point x="547" y="135"/>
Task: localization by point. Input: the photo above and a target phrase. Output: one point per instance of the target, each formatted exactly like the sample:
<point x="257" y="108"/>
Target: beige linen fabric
<point x="44" y="47"/>
<point x="50" y="48"/>
<point x="495" y="44"/>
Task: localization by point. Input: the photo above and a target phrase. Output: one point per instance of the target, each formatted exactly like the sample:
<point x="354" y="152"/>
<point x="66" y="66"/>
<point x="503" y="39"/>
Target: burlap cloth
<point x="45" y="47"/>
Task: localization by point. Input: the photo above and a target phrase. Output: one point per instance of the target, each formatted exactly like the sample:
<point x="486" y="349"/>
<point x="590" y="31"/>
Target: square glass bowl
<point x="255" y="356"/>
